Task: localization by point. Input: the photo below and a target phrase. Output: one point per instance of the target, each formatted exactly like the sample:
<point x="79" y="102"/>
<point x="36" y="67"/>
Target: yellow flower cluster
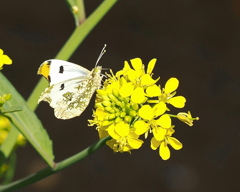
<point x="4" y="59"/>
<point x="131" y="104"/>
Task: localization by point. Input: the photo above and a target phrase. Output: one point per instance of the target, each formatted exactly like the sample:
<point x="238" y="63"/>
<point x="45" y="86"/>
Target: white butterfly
<point x="71" y="86"/>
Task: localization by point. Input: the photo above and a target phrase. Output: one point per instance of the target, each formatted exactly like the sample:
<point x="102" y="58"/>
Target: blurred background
<point x="197" y="41"/>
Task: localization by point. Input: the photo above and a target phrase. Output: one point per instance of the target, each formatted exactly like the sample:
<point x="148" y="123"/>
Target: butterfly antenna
<point x="101" y="54"/>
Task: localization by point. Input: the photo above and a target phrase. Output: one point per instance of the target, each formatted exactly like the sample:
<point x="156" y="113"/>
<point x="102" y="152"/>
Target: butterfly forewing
<point x="56" y="71"/>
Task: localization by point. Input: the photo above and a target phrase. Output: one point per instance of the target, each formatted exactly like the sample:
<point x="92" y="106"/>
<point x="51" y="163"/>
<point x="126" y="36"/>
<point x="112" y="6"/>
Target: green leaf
<point x="12" y="109"/>
<point x="27" y="122"/>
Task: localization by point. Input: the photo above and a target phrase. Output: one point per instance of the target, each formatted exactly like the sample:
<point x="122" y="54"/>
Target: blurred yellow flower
<point x="130" y="104"/>
<point x="4" y="59"/>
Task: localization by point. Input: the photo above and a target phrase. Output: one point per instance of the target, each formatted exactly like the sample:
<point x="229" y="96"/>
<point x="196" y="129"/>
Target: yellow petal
<point x="176" y="144"/>
<point x="126" y="90"/>
<point x="135" y="143"/>
<point x="146" y="112"/>
<point x="153" y="91"/>
<point x="146" y="79"/>
<point x="137" y="63"/>
<point x="178" y="101"/>
<point x="159" y="133"/>
<point x="124" y="70"/>
<point x="123" y="81"/>
<point x="159" y="109"/>
<point x="125" y="148"/>
<point x="140" y="127"/>
<point x="100" y="114"/>
<point x="151" y="66"/>
<point x="164" y="151"/>
<point x="122" y="129"/>
<point x="102" y="133"/>
<point x="1" y="52"/>
<point x="171" y="85"/>
<point x="112" y="133"/>
<point x="111" y="143"/>
<point x="113" y="86"/>
<point x="164" y="121"/>
<point x="6" y="60"/>
<point x="133" y="75"/>
<point x="101" y="92"/>
<point x="154" y="143"/>
<point x="138" y="95"/>
<point x="4" y="122"/>
<point x="126" y="66"/>
<point x="170" y="131"/>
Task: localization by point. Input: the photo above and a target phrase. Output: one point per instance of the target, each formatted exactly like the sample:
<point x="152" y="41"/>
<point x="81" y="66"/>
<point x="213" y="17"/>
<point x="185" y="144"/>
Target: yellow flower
<point x="5" y="127"/>
<point x="131" y="105"/>
<point x="163" y="143"/>
<point x="123" y="138"/>
<point x="4" y="123"/>
<point x="169" y="92"/>
<point x="4" y="59"/>
<point x="186" y="118"/>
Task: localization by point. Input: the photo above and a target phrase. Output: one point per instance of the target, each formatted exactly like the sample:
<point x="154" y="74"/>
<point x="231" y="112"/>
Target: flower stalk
<point x="58" y="167"/>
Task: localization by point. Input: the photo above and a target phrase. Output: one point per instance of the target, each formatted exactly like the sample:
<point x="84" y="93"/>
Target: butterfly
<point x="71" y="86"/>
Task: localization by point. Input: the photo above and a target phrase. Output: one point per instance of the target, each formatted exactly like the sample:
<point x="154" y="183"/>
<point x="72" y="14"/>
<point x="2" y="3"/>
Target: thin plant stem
<point x="81" y="12"/>
<point x="8" y="144"/>
<point x="58" y="167"/>
<point x="77" y="9"/>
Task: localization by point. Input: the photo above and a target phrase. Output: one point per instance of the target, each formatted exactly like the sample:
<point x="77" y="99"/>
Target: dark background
<point x="197" y="41"/>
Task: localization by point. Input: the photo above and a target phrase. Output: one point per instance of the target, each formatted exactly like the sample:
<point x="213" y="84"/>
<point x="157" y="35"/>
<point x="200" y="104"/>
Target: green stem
<point x="81" y="12"/>
<point x="77" y="9"/>
<point x="11" y="170"/>
<point x="58" y="167"/>
<point x="171" y="115"/>
<point x="8" y="145"/>
<point x="77" y="37"/>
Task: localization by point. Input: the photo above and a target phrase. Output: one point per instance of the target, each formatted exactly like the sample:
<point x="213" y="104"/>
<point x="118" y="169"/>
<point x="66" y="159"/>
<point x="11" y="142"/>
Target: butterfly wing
<point x="70" y="98"/>
<point x="56" y="71"/>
